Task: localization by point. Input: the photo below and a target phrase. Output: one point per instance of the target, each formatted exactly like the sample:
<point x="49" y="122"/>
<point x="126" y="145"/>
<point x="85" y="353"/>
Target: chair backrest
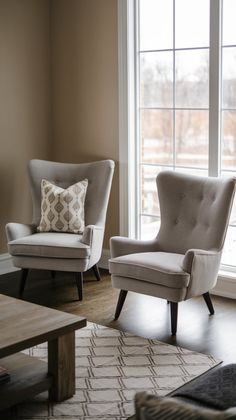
<point x="99" y="175"/>
<point x="195" y="211"/>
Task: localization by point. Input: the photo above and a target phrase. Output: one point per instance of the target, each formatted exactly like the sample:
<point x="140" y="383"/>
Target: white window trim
<point x="126" y="116"/>
<point x="127" y="124"/>
<point x="214" y="88"/>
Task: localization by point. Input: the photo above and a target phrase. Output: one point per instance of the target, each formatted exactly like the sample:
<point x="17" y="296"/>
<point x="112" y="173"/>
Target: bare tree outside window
<point x="174" y="99"/>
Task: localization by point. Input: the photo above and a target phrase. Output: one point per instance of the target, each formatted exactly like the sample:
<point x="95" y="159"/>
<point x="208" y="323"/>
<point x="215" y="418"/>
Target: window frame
<point x="127" y="117"/>
<point x="128" y="122"/>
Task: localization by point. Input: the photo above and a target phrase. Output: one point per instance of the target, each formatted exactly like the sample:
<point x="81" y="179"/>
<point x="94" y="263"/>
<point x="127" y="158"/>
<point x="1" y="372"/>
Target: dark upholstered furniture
<point x="209" y="396"/>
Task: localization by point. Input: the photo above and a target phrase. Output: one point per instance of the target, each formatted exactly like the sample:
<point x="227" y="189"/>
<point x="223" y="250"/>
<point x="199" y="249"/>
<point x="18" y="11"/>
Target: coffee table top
<point x="24" y="324"/>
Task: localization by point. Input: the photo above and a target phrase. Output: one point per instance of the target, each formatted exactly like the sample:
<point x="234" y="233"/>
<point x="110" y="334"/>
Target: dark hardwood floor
<point x="142" y="315"/>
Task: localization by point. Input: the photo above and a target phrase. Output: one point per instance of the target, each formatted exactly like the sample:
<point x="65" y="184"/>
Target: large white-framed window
<point x="180" y="96"/>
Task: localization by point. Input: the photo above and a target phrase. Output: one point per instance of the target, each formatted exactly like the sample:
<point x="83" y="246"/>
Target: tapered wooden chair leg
<point x="24" y="274"/>
<point x="79" y="282"/>
<point x="174" y="317"/>
<point x="53" y="274"/>
<point x="120" y="303"/>
<point x="96" y="272"/>
<point x="208" y="301"/>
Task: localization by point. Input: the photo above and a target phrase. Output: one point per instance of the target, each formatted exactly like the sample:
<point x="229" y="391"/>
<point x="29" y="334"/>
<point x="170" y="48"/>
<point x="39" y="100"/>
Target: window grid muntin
<point x="217" y="170"/>
<point x="232" y="225"/>
<point x="174" y="165"/>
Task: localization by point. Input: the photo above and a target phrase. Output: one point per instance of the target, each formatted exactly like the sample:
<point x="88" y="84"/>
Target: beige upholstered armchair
<point x="59" y="251"/>
<point x="183" y="260"/>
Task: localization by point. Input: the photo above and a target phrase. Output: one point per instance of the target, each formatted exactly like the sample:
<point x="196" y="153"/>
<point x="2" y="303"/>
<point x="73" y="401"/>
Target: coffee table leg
<point x="61" y="365"/>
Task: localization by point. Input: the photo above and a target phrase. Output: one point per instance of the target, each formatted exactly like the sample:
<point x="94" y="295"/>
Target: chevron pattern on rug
<point x="111" y="366"/>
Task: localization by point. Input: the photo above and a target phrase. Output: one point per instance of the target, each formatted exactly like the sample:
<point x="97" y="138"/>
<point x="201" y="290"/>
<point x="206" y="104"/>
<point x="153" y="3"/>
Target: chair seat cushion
<point x="50" y="244"/>
<point x="154" y="267"/>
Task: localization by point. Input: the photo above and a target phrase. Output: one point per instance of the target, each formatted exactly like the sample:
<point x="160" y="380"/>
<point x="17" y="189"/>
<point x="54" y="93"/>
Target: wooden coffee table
<point x="23" y="325"/>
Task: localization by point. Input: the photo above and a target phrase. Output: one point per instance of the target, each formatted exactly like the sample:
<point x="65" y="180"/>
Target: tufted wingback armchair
<point x="58" y="251"/>
<point x="183" y="260"/>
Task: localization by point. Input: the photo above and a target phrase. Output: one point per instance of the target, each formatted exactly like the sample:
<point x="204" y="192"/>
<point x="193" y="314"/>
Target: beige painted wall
<point x="85" y="87"/>
<point x="58" y="94"/>
<point x="24" y="102"/>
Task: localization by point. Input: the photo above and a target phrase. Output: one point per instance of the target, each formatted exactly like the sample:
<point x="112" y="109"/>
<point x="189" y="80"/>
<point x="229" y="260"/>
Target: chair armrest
<point x="93" y="237"/>
<point x="120" y="245"/>
<point x="19" y="230"/>
<point x="203" y="267"/>
<point x="193" y="253"/>
<point x="88" y="233"/>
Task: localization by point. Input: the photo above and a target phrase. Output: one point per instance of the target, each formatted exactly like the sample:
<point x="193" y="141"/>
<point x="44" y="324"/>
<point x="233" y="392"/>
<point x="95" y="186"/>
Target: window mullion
<point x="126" y="115"/>
<point x="174" y="110"/>
<point x="215" y="88"/>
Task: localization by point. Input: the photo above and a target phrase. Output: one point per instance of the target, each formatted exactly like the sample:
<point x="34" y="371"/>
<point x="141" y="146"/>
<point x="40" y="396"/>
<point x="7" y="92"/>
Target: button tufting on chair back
<point x="193" y="211"/>
<point x="183" y="260"/>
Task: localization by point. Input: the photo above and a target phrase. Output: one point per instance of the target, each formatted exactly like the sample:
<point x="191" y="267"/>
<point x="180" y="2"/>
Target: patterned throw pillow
<point x="150" y="407"/>
<point x="62" y="210"/>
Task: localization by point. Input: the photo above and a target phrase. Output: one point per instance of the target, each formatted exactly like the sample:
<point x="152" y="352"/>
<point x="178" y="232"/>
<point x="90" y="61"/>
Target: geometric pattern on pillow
<point x="62" y="210"/>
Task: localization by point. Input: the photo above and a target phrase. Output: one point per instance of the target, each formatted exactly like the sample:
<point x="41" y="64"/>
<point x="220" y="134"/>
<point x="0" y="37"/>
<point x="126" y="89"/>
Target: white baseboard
<point x="6" y="265"/>
<point x="226" y="284"/>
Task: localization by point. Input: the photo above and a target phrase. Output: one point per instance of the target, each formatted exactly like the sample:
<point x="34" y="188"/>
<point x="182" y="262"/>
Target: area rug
<point x="111" y="366"/>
